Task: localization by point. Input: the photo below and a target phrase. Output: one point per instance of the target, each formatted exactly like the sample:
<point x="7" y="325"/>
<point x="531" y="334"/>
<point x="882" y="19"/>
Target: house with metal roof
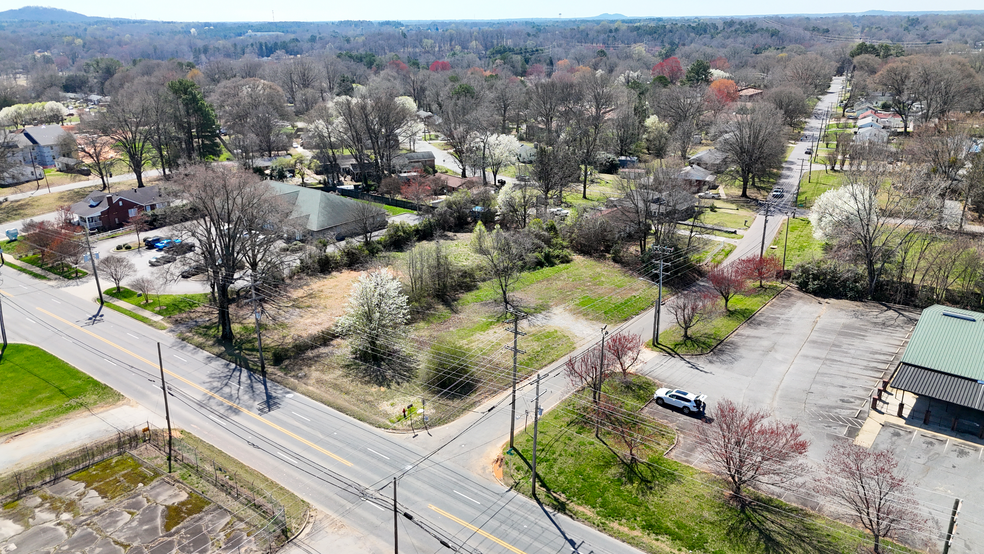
<point x="945" y="358"/>
<point x="322" y="214"/>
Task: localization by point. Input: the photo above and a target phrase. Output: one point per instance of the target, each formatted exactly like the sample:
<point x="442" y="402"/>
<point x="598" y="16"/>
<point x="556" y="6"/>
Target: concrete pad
<point x="216" y="519"/>
<point x="168" y="546"/>
<point x="134" y="504"/>
<point x="66" y="488"/>
<point x="82" y="539"/>
<point x="41" y="515"/>
<point x="144" y="528"/>
<point x="30" y="501"/>
<point x="105" y="546"/>
<point x="111" y="520"/>
<point x="91" y="501"/>
<point x="163" y="492"/>
<point x="195" y="540"/>
<point x="237" y="542"/>
<point x="9" y="529"/>
<point x="39" y="538"/>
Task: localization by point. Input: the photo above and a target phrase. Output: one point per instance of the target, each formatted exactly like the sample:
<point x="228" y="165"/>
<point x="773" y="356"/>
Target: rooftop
<point x="948" y="340"/>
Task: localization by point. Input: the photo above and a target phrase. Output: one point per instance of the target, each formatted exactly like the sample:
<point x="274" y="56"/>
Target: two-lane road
<point x="342" y="466"/>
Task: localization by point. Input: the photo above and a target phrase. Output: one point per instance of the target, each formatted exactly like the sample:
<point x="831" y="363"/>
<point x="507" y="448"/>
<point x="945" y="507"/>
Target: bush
<point x="606" y="163"/>
<point x="398" y="236"/>
<point x="449" y="370"/>
<point x="830" y="279"/>
<point x="127" y="247"/>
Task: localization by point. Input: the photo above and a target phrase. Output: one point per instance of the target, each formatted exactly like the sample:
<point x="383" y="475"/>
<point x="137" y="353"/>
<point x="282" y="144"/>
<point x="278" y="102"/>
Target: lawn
<point x="801" y="244"/>
<point x="820" y="182"/>
<point x="136" y="316"/>
<point x="718" y="323"/>
<point x="392" y="210"/>
<point x="39" y="388"/>
<point x="60" y="269"/>
<point x="658" y="505"/>
<point x="727" y="214"/>
<point x="41" y="203"/>
<point x="165" y="305"/>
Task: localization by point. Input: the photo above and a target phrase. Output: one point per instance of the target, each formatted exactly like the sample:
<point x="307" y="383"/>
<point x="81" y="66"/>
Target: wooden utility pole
<point x="396" y="517"/>
<point x="167" y="411"/>
<point x="536" y="421"/>
<point x="516" y="352"/>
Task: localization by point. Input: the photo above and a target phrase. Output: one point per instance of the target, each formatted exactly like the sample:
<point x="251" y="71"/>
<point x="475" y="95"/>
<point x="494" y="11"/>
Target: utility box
<point x="11" y="234"/>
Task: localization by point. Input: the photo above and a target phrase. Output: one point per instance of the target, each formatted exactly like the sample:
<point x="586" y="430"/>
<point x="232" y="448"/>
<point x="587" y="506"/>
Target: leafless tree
<point x="623" y="348"/>
<point x="125" y="122"/>
<point x="117" y="268"/>
<point x="872" y="488"/>
<point x="899" y="80"/>
<point x="145" y="286"/>
<point x="682" y="108"/>
<point x="553" y="170"/>
<point x="504" y="256"/>
<point x="254" y="111"/>
<point x="747" y="448"/>
<point x="754" y="142"/>
<point x="689" y="308"/>
<point x="590" y="368"/>
<point x="590" y="121"/>
<point x="95" y="150"/>
<point x="550" y="102"/>
<point x="366" y="218"/>
<point x="790" y="101"/>
<point x="729" y="281"/>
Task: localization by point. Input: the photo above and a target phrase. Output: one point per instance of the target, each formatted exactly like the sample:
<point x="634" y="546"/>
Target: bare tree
<point x="117" y="268"/>
<point x="729" y="281"/>
<point x="681" y="108"/>
<point x="870" y="485"/>
<point x="754" y="142"/>
<point x="898" y="79"/>
<point x="254" y="111"/>
<point x="95" y="150"/>
<point x="590" y="122"/>
<point x="590" y="368"/>
<point x="367" y="218"/>
<point x="553" y="170"/>
<point x="747" y="448"/>
<point x="504" y="256"/>
<point x="623" y="349"/>
<point x="688" y="309"/>
<point x="145" y="286"/>
<point x="125" y="123"/>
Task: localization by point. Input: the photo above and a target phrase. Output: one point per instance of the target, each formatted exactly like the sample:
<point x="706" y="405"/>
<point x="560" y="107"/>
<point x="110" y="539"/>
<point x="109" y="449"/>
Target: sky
<point x="332" y="10"/>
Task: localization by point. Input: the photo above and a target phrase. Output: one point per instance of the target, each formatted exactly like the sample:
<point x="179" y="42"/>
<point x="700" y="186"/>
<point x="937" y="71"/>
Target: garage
<point x="942" y="371"/>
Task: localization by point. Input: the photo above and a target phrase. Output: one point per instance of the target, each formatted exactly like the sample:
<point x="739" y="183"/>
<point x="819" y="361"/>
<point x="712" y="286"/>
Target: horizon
<point x="445" y="10"/>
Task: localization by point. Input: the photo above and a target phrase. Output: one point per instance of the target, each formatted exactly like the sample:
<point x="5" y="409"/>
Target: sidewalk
<point x="147" y="175"/>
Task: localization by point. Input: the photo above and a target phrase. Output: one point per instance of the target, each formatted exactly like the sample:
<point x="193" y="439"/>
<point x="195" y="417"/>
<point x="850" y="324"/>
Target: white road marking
<point x="286" y="458"/>
<point x="376" y="453"/>
<point x="109" y="362"/>
<point x="55" y="301"/>
<point x="222" y="423"/>
<point x="179" y="357"/>
<point x="300" y="416"/>
<point x="472" y="499"/>
<point x="374" y="505"/>
<point x="134" y="336"/>
<point x="31" y="320"/>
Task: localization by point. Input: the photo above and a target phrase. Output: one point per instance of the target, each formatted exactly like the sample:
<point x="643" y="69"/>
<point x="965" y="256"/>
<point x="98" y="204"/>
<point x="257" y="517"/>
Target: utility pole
<point x="799" y="180"/>
<point x="3" y="326"/>
<point x="516" y="352"/>
<point x="536" y="421"/>
<point x="256" y="315"/>
<point x="765" y="226"/>
<point x="663" y="250"/>
<point x="396" y="518"/>
<point x="953" y="525"/>
<point x="785" y="244"/>
<point x="92" y="258"/>
<point x="167" y="411"/>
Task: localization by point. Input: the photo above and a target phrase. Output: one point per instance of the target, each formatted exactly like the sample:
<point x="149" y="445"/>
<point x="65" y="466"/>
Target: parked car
<point x="809" y="151"/>
<point x="778" y="192"/>
<point x="161" y="260"/>
<point x="151" y="242"/>
<point x="192" y="271"/>
<point x="161" y="245"/>
<point x="179" y="248"/>
<point x="686" y="401"/>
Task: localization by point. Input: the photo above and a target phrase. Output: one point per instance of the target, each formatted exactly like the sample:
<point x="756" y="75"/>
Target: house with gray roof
<point x="106" y="211"/>
<point x="40" y="145"/>
<point x="713" y="160"/>
<point x="323" y="215"/>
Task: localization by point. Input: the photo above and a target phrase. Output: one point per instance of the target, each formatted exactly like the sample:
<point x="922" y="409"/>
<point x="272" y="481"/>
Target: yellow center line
<point x="202" y="389"/>
<point x="5" y="293"/>
<point x="476" y="529"/>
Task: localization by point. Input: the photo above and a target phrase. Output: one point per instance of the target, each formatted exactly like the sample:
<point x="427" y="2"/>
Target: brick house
<point x="107" y="211"/>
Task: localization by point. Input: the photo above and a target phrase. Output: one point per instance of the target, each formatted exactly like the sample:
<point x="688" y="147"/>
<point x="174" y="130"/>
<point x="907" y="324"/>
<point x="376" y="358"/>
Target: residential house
<point x="414" y="160"/>
<point x="321" y="214"/>
<point x="750" y="94"/>
<point x="107" y="211"/>
<point x="40" y="145"/>
<point x="869" y="121"/>
<point x="22" y="174"/>
<point x="696" y="178"/>
<point x="871" y="134"/>
<point x="713" y="160"/>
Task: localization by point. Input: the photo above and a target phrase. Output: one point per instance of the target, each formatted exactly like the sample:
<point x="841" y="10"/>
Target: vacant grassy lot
<point x="164" y="304"/>
<point x="38" y="387"/>
<point x="41" y="204"/>
<point x="657" y="504"/>
<point x="801" y="246"/>
<point x="718" y="323"/>
<point x="391" y="210"/>
<point x="821" y="181"/>
<point x="727" y="214"/>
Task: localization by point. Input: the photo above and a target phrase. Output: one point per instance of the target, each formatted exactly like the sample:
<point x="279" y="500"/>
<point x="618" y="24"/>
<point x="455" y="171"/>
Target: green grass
<point x="726" y="214"/>
<point x="392" y="210"/>
<point x="16" y="267"/>
<point x="136" y="316"/>
<point x="812" y="187"/>
<point x="38" y="387"/>
<point x="60" y="269"/>
<point x="115" y="477"/>
<point x="718" y="324"/>
<point x="658" y="505"/>
<point x="801" y="245"/>
<point x="722" y="254"/>
<point x="165" y="305"/>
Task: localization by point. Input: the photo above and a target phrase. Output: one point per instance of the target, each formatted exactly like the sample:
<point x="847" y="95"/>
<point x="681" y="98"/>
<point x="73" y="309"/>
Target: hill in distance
<point x="38" y="13"/>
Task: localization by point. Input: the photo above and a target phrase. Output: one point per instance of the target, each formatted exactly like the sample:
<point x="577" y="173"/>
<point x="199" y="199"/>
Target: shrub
<point x="398" y="236"/>
<point x="606" y="163"/>
<point x="127" y="247"/>
<point x="830" y="279"/>
<point x="449" y="370"/>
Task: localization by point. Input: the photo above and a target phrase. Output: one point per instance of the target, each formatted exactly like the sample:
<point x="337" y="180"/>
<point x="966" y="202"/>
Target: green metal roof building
<point x="945" y="357"/>
<point x="322" y="214"/>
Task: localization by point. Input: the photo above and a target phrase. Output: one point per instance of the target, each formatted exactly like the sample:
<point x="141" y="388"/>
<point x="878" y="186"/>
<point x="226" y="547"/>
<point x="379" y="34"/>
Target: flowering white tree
<point x="377" y="314"/>
<point x="500" y="152"/>
<point x="657" y="136"/>
<point x="851" y="205"/>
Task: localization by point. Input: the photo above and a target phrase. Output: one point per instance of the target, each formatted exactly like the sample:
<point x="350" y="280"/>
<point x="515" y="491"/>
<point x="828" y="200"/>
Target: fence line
<point x="351" y="193"/>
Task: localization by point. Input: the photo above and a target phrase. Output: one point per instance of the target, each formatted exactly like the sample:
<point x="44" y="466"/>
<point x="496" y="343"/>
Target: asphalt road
<point x="342" y="466"/>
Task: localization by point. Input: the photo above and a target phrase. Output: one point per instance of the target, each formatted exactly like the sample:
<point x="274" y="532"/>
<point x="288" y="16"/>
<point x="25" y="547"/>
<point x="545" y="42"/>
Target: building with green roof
<point x="945" y="357"/>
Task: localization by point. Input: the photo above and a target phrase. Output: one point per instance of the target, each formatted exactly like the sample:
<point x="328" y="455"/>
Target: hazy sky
<point x="330" y="10"/>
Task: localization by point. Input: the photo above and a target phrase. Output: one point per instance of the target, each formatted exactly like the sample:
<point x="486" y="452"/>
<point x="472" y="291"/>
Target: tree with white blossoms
<point x="500" y="153"/>
<point x="657" y="136"/>
<point x="375" y="318"/>
<point x="876" y="213"/>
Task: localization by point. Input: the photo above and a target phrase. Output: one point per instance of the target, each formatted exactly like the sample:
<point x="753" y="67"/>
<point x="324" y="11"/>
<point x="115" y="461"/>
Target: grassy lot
<point x="41" y="204"/>
<point x="821" y="182"/>
<point x="727" y="214"/>
<point x="657" y="505"/>
<point x="164" y="304"/>
<point x="718" y="324"/>
<point x="39" y="387"/>
<point x="721" y="254"/>
<point x="801" y="245"/>
<point x="59" y="269"/>
<point x="136" y="316"/>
